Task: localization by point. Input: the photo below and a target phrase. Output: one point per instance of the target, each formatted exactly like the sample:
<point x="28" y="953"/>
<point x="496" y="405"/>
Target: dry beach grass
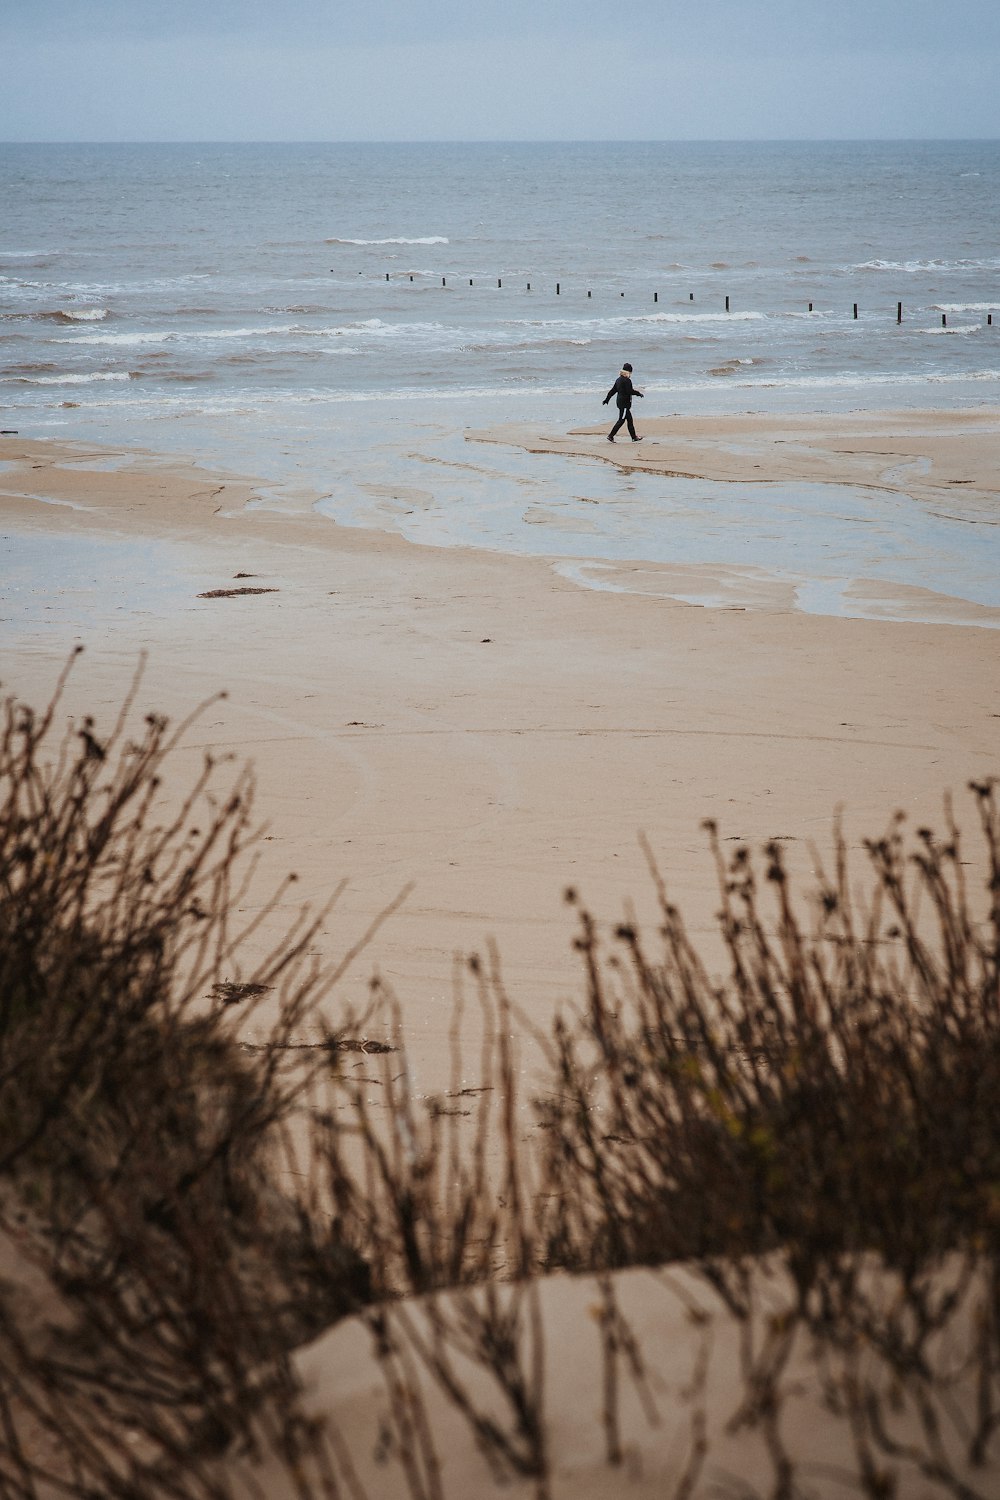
<point x="814" y="1139"/>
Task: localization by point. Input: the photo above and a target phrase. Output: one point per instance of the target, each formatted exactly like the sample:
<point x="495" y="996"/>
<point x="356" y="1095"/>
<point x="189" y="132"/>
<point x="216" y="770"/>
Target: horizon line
<point x="789" y="140"/>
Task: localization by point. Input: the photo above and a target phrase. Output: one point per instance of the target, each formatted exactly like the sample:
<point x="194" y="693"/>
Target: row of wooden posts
<point x="656" y="297"/>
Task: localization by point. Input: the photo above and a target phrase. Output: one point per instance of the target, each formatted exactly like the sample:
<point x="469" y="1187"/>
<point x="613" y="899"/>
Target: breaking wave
<point x="910" y="267"/>
<point x="66" y="379"/>
<point x="77" y="314"/>
<point x="958" y="307"/>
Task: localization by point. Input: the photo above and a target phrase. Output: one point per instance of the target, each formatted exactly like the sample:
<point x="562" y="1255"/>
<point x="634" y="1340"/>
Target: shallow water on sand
<point x="75" y="587"/>
<point x="815" y="539"/>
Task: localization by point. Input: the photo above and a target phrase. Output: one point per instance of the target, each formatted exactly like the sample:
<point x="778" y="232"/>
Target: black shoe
<point x="610" y="439"/>
<point x="637" y="440"/>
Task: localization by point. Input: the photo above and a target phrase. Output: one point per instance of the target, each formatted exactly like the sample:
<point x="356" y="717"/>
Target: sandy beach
<point x="477" y="732"/>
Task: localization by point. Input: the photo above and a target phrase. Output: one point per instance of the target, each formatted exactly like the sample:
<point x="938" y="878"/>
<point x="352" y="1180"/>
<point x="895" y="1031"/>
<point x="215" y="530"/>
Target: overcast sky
<point x="119" y="70"/>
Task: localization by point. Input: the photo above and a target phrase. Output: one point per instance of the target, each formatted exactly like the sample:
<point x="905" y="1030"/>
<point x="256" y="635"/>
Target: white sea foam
<point x="125" y="340"/>
<point x="595" y="326"/>
<point x="92" y="379"/>
<point x="374" y="326"/>
<point x="986" y="263"/>
<point x="430" y="239"/>
<point x="958" y="307"/>
<point x="178" y="336"/>
<point x="848" y="380"/>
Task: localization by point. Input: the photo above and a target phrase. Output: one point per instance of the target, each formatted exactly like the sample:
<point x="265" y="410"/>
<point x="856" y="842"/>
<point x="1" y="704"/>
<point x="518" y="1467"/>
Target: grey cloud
<point x="774" y="26"/>
<point x="452" y="69"/>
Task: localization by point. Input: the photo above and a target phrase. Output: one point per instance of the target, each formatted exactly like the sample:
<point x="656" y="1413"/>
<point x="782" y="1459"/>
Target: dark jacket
<point x="624" y="390"/>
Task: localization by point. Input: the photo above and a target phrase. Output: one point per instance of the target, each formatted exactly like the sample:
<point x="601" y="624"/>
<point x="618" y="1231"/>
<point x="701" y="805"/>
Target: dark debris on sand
<point x="231" y="593"/>
<point x="231" y="993"/>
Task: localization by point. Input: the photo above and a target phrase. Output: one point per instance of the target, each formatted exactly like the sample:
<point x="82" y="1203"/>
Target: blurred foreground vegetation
<point x="833" y="1101"/>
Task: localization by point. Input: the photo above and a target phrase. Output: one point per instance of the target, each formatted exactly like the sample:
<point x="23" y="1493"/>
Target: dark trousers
<point x="624" y="415"/>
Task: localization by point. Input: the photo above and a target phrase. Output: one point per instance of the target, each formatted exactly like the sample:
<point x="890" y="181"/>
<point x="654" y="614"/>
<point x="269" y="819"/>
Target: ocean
<point x="334" y="319"/>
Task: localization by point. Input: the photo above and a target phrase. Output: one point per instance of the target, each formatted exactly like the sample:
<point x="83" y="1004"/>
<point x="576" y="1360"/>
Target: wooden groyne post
<point x="855" y="307"/>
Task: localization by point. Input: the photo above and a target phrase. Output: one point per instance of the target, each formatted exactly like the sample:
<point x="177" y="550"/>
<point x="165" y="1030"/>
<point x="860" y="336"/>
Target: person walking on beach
<point x="624" y="390"/>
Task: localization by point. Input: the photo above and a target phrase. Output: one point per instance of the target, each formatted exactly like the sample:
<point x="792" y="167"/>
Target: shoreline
<point x="471" y="723"/>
